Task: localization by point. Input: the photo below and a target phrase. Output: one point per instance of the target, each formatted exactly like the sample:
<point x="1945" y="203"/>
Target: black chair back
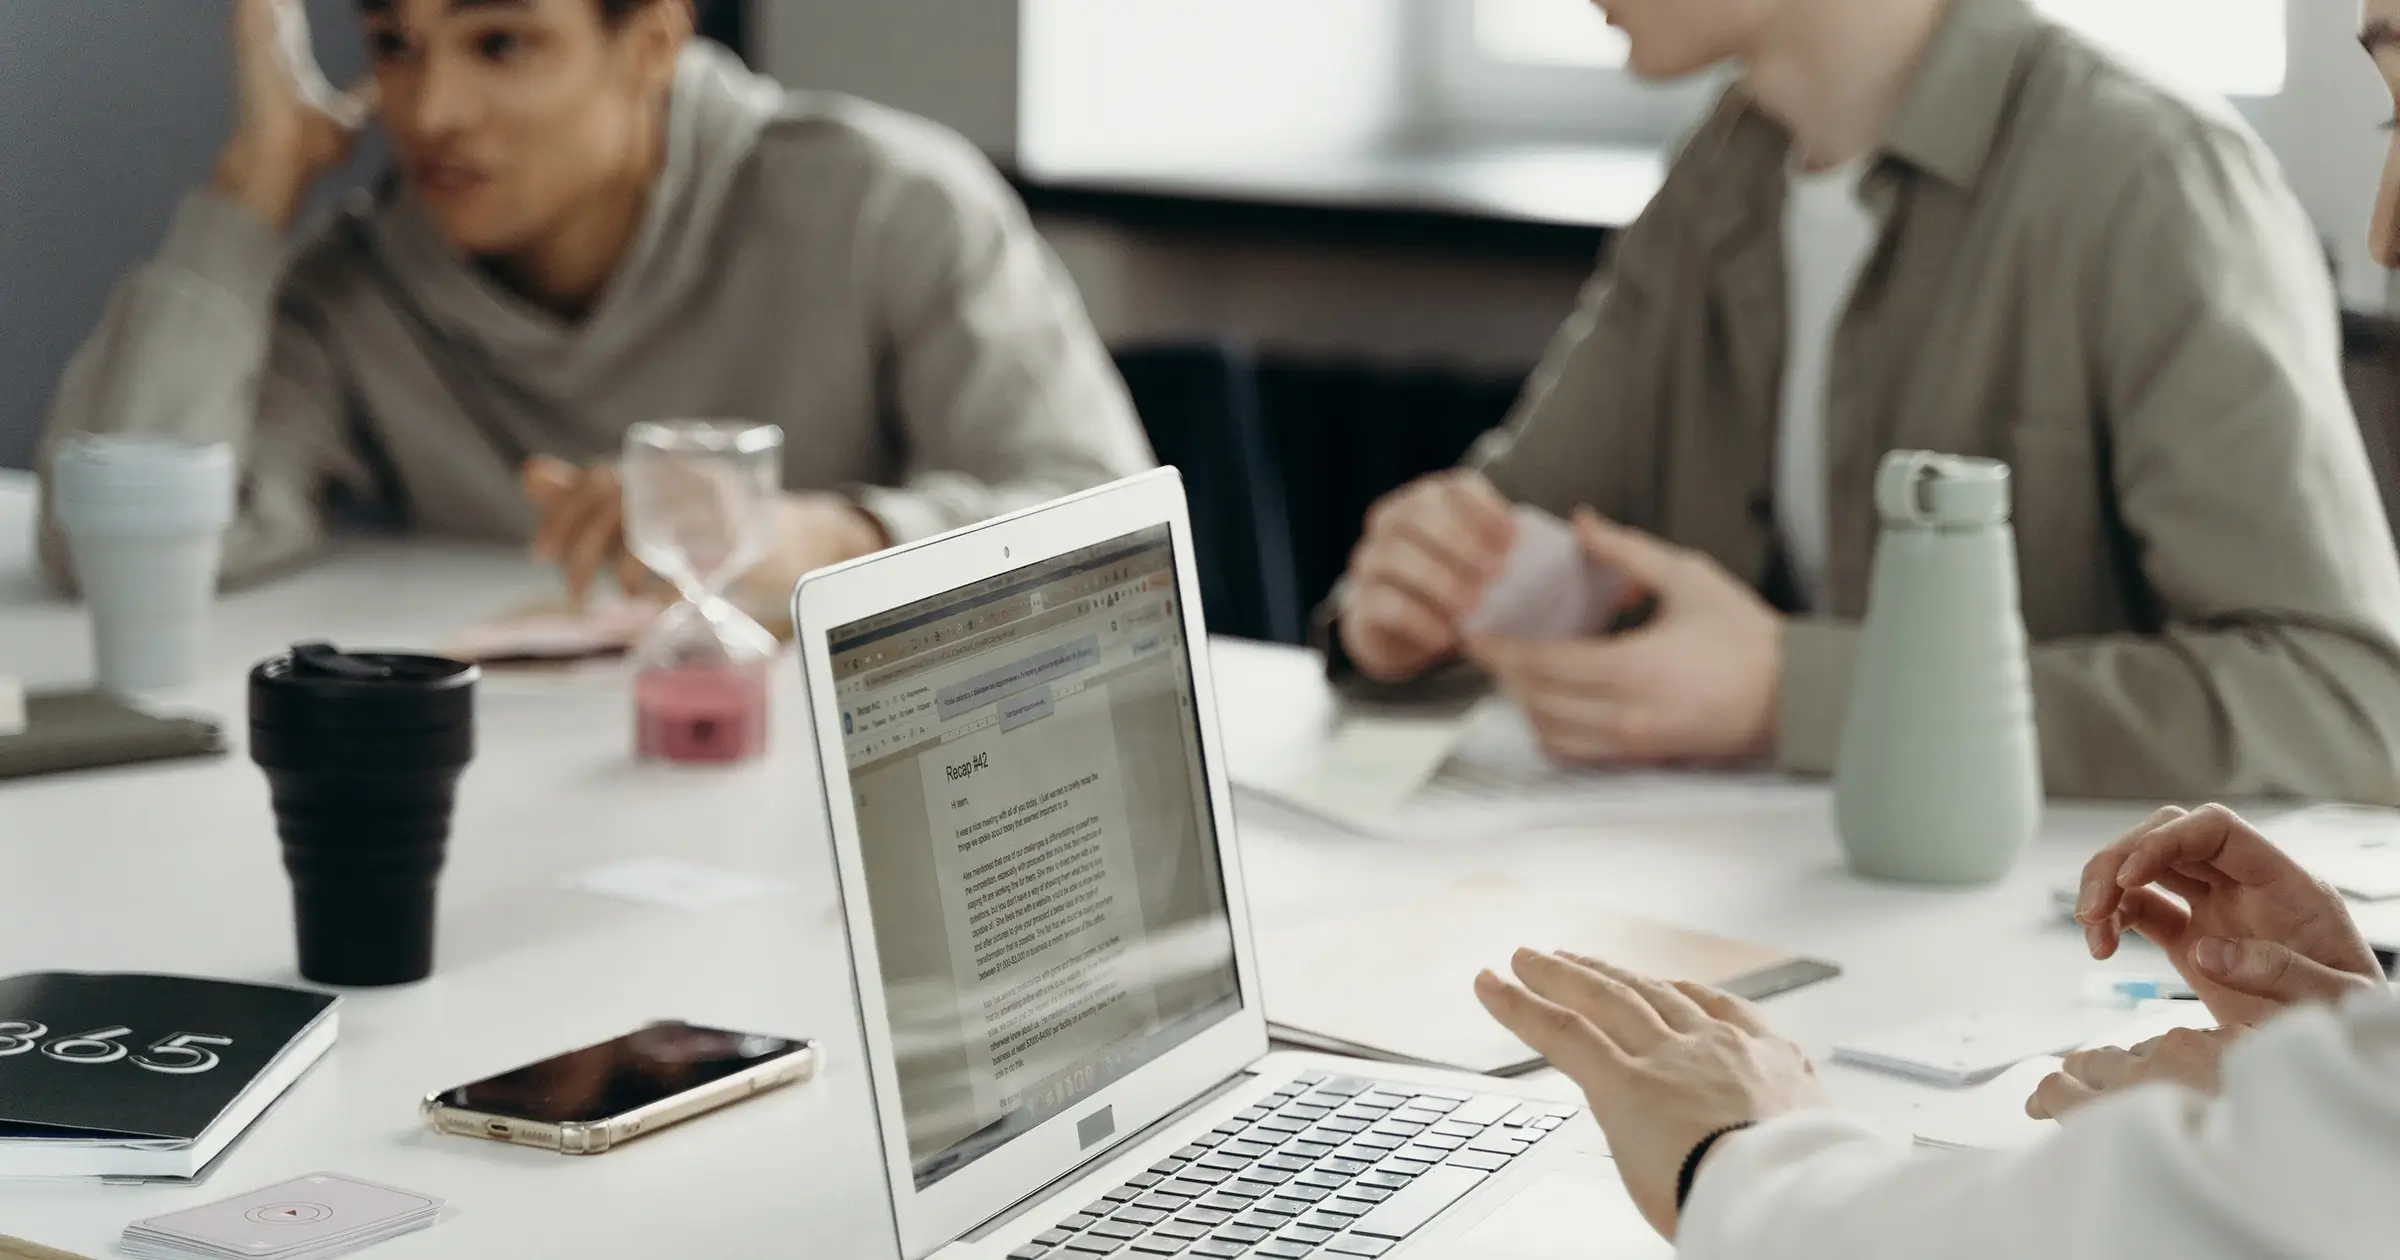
<point x="1200" y="405"/>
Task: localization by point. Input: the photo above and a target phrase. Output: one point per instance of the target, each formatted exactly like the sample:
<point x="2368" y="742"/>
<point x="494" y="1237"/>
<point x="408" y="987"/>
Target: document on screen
<point x="1048" y="943"/>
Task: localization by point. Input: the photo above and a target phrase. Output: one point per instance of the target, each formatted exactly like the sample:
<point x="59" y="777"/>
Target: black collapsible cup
<point x="363" y="754"/>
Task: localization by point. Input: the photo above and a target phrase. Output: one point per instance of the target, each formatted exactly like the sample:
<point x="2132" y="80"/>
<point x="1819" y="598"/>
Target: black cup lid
<point x="318" y="685"/>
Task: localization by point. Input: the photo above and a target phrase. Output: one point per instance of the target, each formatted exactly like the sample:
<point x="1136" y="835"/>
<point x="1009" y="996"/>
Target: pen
<point x="2147" y="990"/>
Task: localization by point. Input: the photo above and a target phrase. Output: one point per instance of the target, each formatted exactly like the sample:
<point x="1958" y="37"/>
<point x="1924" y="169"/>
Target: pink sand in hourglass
<point x="700" y="715"/>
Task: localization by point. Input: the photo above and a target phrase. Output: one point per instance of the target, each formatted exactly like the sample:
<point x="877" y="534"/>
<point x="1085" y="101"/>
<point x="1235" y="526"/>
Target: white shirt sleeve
<point x="2297" y="1159"/>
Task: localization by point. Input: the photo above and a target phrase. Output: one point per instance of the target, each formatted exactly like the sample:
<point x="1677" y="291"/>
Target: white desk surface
<point x="176" y="869"/>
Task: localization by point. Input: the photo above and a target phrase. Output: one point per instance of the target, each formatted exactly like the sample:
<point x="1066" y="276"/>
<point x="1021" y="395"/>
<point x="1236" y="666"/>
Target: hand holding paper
<point x="1430" y="551"/>
<point x="1700" y="682"/>
<point x="1548" y="588"/>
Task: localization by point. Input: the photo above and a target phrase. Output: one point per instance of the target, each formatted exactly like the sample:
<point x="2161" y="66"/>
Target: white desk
<point x="176" y="868"/>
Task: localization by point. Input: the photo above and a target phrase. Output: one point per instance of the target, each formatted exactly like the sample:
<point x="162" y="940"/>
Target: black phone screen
<point x="640" y="1068"/>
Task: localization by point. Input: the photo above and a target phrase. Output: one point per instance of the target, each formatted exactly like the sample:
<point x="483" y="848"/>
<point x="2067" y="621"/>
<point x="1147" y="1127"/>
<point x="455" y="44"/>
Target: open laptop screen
<point x="1040" y="856"/>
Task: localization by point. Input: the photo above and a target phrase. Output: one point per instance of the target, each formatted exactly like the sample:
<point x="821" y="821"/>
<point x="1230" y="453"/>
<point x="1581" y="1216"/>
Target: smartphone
<point x="586" y="1101"/>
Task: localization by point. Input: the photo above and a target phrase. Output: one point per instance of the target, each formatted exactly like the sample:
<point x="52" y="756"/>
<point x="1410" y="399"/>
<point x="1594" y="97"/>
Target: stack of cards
<point x="308" y="1218"/>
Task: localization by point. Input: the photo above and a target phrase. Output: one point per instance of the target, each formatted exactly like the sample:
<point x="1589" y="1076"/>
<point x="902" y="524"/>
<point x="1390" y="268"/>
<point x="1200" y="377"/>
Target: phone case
<point x="597" y="1137"/>
<point x="87" y="730"/>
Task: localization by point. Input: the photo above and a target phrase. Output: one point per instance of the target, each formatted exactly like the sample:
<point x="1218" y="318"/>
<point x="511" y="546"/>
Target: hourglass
<point x="698" y="494"/>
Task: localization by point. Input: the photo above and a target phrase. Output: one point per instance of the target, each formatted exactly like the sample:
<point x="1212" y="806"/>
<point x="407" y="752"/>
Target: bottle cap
<point x="317" y="686"/>
<point x="1926" y="490"/>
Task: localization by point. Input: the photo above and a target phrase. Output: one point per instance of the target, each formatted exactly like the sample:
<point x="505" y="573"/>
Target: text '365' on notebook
<point x="1397" y="983"/>
<point x="143" y="1076"/>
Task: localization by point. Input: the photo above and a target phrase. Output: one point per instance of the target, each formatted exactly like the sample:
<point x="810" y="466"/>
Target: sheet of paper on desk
<point x="553" y="631"/>
<point x="1372" y="765"/>
<point x="2351" y="847"/>
<point x="674" y="885"/>
<point x="2155" y="1018"/>
<point x="1990" y="1117"/>
<point x="1397" y="983"/>
<point x="2355" y="849"/>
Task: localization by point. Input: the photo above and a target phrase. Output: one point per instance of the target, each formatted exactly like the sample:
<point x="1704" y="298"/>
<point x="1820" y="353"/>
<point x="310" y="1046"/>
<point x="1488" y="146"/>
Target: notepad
<point x="1397" y="983"/>
<point x="675" y="885"/>
<point x="1991" y="1117"/>
<point x="1974" y="1046"/>
<point x="145" y="1076"/>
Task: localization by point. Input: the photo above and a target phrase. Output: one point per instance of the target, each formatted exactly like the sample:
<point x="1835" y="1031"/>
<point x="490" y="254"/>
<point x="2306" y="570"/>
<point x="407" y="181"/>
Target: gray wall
<point x="954" y="61"/>
<point x="109" y="110"/>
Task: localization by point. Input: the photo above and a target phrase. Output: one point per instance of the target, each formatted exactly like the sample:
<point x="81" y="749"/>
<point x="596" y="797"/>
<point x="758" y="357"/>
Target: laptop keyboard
<point x="1326" y="1166"/>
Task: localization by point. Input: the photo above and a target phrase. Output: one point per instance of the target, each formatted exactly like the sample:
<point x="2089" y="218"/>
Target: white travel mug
<point x="145" y="520"/>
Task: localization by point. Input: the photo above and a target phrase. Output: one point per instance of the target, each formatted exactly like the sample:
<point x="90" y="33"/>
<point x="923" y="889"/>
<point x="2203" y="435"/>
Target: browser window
<point x="1040" y="853"/>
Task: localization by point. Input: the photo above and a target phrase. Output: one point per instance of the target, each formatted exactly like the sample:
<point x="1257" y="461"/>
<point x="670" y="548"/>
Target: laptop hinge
<point x="1035" y="1199"/>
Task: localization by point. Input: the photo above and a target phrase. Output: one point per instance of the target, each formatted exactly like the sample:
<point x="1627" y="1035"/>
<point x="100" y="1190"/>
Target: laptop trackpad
<point x="1577" y="1213"/>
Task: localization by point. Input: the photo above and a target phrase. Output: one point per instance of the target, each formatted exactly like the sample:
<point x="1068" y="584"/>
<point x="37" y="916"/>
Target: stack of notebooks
<point x="144" y="1077"/>
<point x="1398" y="984"/>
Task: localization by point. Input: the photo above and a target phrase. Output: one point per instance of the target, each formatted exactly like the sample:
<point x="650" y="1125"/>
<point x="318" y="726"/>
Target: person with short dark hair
<point x="595" y="220"/>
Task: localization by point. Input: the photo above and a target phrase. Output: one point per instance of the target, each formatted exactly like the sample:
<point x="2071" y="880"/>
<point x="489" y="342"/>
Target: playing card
<point x="317" y="1215"/>
<point x="1548" y="588"/>
<point x="291" y="25"/>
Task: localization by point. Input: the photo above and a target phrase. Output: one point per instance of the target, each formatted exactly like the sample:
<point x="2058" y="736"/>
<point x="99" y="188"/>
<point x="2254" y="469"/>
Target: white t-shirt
<point x="1828" y="234"/>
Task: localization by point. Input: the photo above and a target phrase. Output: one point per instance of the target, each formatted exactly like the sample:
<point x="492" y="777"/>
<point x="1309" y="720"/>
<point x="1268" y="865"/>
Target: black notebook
<point x="144" y="1076"/>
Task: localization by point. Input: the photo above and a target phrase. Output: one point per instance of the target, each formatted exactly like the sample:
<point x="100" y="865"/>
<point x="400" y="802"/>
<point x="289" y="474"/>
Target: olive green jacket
<point x="2081" y="273"/>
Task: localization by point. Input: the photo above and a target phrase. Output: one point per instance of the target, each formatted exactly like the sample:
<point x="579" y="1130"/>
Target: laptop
<point x="1043" y="900"/>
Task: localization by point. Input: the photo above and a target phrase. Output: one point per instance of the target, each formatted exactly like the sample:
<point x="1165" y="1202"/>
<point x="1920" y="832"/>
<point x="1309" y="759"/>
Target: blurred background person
<point x="594" y="220"/>
<point x="1951" y="225"/>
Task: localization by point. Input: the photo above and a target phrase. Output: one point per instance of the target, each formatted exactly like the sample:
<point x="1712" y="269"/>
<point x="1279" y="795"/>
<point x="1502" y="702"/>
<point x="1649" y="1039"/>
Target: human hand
<point x="1431" y="547"/>
<point x="1700" y="682"/>
<point x="582" y="531"/>
<point x="2186" y="1056"/>
<point x="2255" y="933"/>
<point x="582" y="527"/>
<point x="287" y="137"/>
<point x="1662" y="1065"/>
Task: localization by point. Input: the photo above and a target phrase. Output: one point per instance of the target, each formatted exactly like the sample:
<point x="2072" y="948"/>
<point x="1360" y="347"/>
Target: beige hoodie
<point x="863" y="278"/>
